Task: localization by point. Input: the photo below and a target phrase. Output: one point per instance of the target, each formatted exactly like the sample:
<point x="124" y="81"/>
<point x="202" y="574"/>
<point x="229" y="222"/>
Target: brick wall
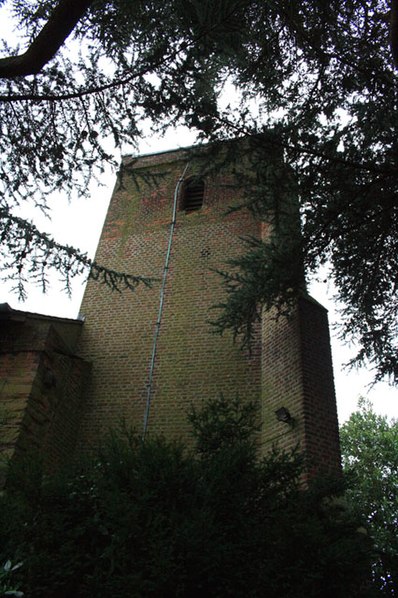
<point x="41" y="386"/>
<point x="191" y="363"/>
<point x="297" y="374"/>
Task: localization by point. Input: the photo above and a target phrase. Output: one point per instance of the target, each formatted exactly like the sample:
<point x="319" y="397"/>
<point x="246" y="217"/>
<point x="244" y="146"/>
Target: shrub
<point x="159" y="520"/>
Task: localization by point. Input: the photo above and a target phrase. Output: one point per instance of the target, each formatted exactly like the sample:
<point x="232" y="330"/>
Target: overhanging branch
<point x="60" y="25"/>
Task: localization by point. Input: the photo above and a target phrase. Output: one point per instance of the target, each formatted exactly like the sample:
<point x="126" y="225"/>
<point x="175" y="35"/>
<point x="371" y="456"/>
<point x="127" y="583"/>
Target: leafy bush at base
<point x="161" y="520"/>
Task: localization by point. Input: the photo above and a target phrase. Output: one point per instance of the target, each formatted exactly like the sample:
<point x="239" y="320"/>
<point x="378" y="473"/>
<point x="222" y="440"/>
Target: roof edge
<point x="8" y="312"/>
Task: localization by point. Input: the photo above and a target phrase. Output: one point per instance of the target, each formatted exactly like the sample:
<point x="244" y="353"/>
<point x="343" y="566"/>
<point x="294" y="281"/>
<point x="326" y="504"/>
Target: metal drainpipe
<point x="161" y="302"/>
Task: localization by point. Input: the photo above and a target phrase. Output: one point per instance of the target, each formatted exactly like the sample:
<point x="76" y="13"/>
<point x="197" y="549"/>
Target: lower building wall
<point x="17" y="375"/>
<point x="41" y="392"/>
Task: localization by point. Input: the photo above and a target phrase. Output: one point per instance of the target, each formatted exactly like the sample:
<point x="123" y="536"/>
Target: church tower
<point x="153" y="352"/>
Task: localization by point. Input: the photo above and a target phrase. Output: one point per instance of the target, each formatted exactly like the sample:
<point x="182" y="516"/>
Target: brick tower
<point x="153" y="352"/>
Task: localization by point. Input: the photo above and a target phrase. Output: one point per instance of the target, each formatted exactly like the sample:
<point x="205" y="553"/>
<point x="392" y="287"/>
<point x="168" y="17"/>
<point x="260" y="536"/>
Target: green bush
<point x="369" y="445"/>
<point x="159" y="520"/>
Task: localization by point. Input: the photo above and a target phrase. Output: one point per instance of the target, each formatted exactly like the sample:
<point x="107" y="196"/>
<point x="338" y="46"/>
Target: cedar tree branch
<point x="60" y="25"/>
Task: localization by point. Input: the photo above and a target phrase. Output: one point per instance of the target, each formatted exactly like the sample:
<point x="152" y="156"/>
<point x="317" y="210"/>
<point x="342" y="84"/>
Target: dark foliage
<point x="157" y="519"/>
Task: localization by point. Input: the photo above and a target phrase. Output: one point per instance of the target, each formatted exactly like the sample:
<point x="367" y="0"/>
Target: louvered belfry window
<point x="193" y="194"/>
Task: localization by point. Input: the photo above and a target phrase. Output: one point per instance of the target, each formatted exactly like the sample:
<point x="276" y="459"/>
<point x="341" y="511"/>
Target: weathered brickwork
<point x="52" y="402"/>
<point x="297" y="373"/>
<point x="290" y="364"/>
<point x="191" y="363"/>
<point x="41" y="386"/>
